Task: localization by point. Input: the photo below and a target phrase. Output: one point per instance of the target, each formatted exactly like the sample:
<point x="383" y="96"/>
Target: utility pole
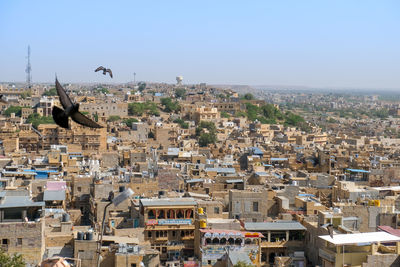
<point x="28" y="68"/>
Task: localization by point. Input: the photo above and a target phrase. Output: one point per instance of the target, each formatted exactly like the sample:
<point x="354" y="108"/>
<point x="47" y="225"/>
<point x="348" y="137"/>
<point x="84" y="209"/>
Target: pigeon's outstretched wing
<point x="60" y="117"/>
<point x="330" y="230"/>
<point x="64" y="98"/>
<point x="109" y="71"/>
<point x="2" y="100"/>
<point x="83" y="120"/>
<point x="99" y="68"/>
<point x="329" y="227"/>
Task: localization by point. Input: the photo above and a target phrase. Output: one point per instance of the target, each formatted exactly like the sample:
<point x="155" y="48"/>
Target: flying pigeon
<point x="104" y="71"/>
<point x="2" y="100"/>
<point x="71" y="109"/>
<point x="328" y="227"/>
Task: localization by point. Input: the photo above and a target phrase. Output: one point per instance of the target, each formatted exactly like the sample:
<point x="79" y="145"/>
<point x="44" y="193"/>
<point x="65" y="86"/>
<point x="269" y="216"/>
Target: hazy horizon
<point x="311" y="44"/>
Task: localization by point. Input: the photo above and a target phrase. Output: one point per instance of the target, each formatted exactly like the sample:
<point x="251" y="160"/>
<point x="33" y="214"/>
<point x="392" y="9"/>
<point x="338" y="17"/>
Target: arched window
<point x="161" y="214"/>
<point x="189" y="214"/>
<point x="151" y="215"/>
<point x="179" y="214"/>
<point x="215" y="241"/>
<point x="222" y="241"/>
<point x="171" y="214"/>
<point x="238" y="241"/>
<point x="208" y="241"/>
<point x="231" y="241"/>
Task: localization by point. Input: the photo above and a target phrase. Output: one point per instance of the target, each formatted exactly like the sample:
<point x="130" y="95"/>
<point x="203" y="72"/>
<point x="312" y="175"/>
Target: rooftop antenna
<point x="28" y="68"/>
<point x="134" y="78"/>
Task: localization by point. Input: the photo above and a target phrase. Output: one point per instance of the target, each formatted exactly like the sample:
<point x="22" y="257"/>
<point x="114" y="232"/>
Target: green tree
<point x="271" y="112"/>
<point x="36" y="120"/>
<point x="225" y="114"/>
<point x="182" y="123"/>
<point x="209" y="125"/>
<point x="136" y="109"/>
<point x="293" y="119"/>
<point x="180" y="92"/>
<point x="142" y="86"/>
<point x="381" y="113"/>
<point x="103" y="90"/>
<point x="14" y="260"/>
<point x="248" y="96"/>
<point x="252" y="111"/>
<point x="51" y="92"/>
<point x="169" y="105"/>
<point x="207" y="138"/>
<point x="130" y="121"/>
<point x="113" y="118"/>
<point x="13" y="109"/>
<point x="26" y="94"/>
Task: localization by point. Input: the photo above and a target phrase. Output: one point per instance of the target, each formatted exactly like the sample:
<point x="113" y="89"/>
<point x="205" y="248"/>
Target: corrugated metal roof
<point x="173" y="151"/>
<point x="19" y="173"/>
<point x="360" y="238"/>
<point x="256" y="151"/>
<point x="279" y="159"/>
<point x="194" y="181"/>
<point x="236" y="256"/>
<point x="168" y="202"/>
<point x="270" y="226"/>
<point x="19" y="201"/>
<point x="221" y="170"/>
<point x="234" y="181"/>
<point x="50" y="195"/>
<point x="358" y="170"/>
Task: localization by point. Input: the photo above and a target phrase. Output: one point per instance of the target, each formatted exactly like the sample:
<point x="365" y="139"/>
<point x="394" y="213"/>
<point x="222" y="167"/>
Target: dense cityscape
<point x="216" y="175"/>
<point x="199" y="133"/>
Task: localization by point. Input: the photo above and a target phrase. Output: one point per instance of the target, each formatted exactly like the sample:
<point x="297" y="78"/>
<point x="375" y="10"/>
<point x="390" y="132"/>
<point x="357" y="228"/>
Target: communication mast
<point x="28" y="68"/>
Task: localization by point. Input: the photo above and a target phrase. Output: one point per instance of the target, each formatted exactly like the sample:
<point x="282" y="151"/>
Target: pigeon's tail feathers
<point x="60" y="117"/>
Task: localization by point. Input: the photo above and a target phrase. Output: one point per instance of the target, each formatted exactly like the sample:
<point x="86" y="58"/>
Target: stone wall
<point x="26" y="238"/>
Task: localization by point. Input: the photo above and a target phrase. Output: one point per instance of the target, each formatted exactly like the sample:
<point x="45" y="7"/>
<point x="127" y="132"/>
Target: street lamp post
<point x="116" y="201"/>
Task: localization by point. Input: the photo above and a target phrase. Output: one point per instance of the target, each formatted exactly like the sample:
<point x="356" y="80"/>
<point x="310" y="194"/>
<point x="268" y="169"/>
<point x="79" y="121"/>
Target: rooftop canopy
<point x="358" y="170"/>
<point x="274" y="226"/>
<point x="187" y="201"/>
<point x="279" y="159"/>
<point x="361" y="238"/>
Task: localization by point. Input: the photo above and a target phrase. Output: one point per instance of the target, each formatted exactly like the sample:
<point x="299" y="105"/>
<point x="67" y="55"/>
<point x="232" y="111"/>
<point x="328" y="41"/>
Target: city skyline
<point x="338" y="45"/>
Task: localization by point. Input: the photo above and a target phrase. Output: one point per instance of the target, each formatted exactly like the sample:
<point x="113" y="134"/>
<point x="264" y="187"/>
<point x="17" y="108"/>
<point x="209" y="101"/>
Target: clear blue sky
<point x="311" y="43"/>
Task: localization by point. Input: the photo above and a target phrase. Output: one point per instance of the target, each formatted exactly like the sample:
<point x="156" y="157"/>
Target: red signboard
<point x="152" y="222"/>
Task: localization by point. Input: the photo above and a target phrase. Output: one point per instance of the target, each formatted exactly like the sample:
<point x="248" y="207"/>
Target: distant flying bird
<point x="70" y="110"/>
<point x="2" y="100"/>
<point x="328" y="227"/>
<point x="104" y="70"/>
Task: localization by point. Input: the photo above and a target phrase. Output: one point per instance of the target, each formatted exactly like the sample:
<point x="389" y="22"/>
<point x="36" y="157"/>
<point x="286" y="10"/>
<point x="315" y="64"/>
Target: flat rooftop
<point x="360" y="238"/>
<point x="168" y="202"/>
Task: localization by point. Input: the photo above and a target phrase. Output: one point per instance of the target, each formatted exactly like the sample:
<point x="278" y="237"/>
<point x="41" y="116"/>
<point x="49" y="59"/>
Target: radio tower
<point x="28" y="68"/>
